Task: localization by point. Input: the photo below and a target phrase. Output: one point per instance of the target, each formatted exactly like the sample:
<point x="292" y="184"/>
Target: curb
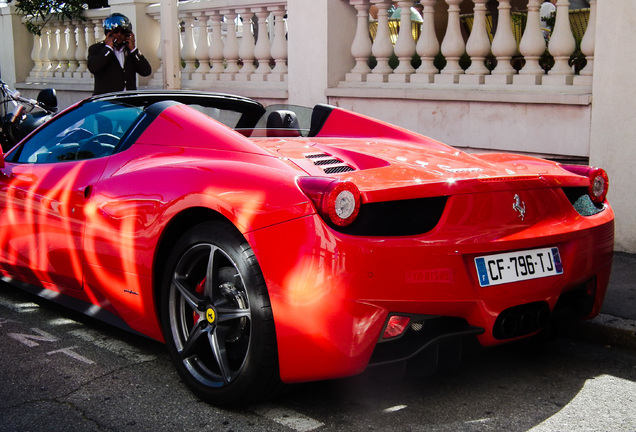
<point x="604" y="329"/>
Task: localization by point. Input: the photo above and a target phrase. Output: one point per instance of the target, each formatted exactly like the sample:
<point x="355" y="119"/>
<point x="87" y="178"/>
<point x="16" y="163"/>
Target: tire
<point x="217" y="319"/>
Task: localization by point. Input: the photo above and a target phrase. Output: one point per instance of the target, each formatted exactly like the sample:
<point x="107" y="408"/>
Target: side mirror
<point x="48" y="98"/>
<point x="1" y="160"/>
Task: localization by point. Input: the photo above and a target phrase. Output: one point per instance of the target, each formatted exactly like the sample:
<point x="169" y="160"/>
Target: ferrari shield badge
<point x="210" y="315"/>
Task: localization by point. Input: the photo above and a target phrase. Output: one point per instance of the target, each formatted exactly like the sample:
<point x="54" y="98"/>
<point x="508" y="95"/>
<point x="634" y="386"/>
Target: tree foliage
<point x="38" y="13"/>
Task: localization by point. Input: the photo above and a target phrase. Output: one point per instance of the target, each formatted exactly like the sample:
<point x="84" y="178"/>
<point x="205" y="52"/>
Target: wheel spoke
<point x="194" y="336"/>
<point x="220" y="355"/>
<point x="227" y="314"/>
<point x="190" y="297"/>
<point x="211" y="276"/>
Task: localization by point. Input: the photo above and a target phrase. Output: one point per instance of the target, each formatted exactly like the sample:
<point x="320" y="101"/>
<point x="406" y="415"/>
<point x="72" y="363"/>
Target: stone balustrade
<point x="245" y="44"/>
<point x="242" y="44"/>
<point x="59" y="53"/>
<point x="236" y="47"/>
<point x="474" y="44"/>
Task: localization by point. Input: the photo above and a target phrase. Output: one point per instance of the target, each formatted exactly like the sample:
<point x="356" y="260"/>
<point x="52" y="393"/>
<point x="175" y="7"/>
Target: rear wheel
<point x="216" y="317"/>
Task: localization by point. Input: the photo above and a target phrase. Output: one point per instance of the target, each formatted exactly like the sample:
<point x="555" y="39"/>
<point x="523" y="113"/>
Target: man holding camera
<point x="116" y="61"/>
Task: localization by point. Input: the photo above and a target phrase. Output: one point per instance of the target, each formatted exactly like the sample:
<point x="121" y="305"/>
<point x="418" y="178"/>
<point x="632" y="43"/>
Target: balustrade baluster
<point x="35" y="56"/>
<point x="504" y="46"/>
<point x="405" y="45"/>
<point x="53" y="50"/>
<point x="477" y="47"/>
<point x="246" y="48"/>
<point x="453" y="46"/>
<point x="216" y="46"/>
<point x="587" y="48"/>
<point x="99" y="29"/>
<point x="532" y="47"/>
<point x="279" y="45"/>
<point x="561" y="46"/>
<point x="361" y="46"/>
<point x="427" y="45"/>
<point x="91" y="34"/>
<point x="62" y="51"/>
<point x="382" y="47"/>
<point x="157" y="77"/>
<point x="187" y="49"/>
<point x="202" y="51"/>
<point x="80" y="52"/>
<point x="73" y="64"/>
<point x="231" y="48"/>
<point x="44" y="52"/>
<point x="263" y="48"/>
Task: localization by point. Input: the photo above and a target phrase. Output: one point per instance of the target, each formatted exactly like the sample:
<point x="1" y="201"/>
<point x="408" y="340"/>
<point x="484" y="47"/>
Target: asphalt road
<point x="63" y="372"/>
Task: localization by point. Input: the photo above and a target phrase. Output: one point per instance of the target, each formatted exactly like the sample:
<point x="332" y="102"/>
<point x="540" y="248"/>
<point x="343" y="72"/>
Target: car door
<point x="45" y="189"/>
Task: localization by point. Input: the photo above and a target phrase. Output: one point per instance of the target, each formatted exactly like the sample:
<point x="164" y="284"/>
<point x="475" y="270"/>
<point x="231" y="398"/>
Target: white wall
<point x="613" y="127"/>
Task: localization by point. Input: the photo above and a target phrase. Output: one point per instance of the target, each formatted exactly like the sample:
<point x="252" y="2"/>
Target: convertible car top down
<point x="279" y="245"/>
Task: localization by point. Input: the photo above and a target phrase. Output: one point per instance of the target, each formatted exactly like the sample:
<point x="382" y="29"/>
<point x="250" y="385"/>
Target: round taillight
<point x="335" y="200"/>
<point x="342" y="203"/>
<point x="599" y="183"/>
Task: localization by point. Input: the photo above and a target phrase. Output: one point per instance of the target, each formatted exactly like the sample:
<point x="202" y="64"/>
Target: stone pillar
<point x="333" y="27"/>
<point x="613" y="130"/>
<point x="15" y="58"/>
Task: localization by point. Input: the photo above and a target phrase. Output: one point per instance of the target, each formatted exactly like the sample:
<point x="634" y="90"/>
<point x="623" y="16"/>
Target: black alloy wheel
<point x="216" y="317"/>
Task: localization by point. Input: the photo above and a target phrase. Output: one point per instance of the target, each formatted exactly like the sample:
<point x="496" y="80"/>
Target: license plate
<point x="518" y="266"/>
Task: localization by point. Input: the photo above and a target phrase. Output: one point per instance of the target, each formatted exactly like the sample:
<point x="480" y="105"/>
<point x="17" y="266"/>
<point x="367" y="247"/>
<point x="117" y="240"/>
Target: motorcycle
<point x="19" y="116"/>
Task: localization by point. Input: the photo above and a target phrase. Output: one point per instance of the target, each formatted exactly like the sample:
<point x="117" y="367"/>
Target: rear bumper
<point x="331" y="294"/>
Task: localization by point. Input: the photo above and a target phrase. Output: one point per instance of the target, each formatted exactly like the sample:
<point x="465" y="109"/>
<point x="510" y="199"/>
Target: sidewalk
<point x="616" y="324"/>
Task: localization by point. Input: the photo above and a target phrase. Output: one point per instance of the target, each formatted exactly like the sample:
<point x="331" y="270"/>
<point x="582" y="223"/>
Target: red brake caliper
<point x="199" y="290"/>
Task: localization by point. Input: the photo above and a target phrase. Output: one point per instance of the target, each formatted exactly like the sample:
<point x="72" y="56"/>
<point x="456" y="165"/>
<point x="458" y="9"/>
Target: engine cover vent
<point x="328" y="163"/>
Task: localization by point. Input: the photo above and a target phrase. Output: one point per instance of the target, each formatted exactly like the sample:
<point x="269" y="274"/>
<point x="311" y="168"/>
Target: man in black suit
<point x="116" y="61"/>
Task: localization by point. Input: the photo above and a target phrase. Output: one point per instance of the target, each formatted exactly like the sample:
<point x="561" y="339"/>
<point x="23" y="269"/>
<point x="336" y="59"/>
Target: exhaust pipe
<point x="522" y="320"/>
<point x="509" y="324"/>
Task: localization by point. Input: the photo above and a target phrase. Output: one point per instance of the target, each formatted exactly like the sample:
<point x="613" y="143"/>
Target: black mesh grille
<point x="338" y="169"/>
<point x="328" y="163"/>
<point x="581" y="201"/>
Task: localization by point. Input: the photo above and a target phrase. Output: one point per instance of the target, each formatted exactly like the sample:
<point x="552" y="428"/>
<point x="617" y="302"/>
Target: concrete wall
<point x="613" y="127"/>
<point x="543" y="129"/>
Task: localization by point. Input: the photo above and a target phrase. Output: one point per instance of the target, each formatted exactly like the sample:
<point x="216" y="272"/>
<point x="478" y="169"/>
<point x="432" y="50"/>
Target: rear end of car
<point x="423" y="270"/>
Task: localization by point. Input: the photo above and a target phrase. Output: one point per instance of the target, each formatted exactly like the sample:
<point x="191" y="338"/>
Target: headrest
<point x="283" y="123"/>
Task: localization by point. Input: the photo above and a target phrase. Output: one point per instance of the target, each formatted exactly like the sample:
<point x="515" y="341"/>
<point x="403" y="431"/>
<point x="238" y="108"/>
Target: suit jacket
<point x="108" y="73"/>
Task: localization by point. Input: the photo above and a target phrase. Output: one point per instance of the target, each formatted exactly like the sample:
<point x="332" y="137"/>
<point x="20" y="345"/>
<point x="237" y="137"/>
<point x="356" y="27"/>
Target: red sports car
<point x="269" y="246"/>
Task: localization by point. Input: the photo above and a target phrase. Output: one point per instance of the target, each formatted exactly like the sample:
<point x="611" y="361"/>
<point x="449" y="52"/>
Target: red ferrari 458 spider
<point x="282" y="245"/>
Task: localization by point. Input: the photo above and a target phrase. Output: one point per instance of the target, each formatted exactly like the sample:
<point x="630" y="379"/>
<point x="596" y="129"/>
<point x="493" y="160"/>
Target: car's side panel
<point x="42" y="215"/>
<point x="322" y="332"/>
<point x="146" y="186"/>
